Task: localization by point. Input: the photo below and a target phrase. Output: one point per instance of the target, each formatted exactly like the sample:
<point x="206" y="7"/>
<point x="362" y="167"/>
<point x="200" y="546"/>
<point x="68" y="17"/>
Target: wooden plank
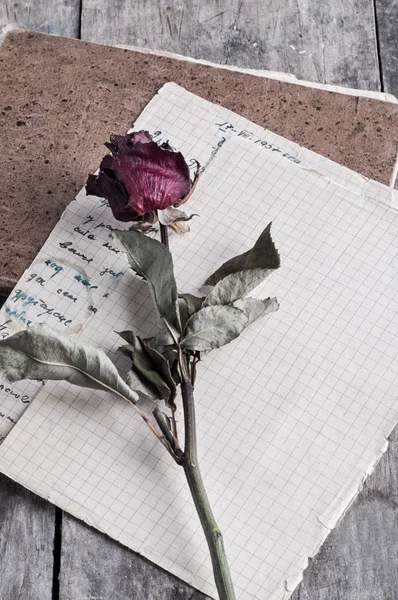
<point x="387" y="18"/>
<point x="26" y="544"/>
<point x="61" y="17"/>
<point x="359" y="559"/>
<point x="330" y="42"/>
<point x="96" y="567"/>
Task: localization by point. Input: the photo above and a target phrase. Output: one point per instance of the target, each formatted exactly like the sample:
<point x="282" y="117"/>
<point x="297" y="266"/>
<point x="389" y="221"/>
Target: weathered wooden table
<point x="46" y="554"/>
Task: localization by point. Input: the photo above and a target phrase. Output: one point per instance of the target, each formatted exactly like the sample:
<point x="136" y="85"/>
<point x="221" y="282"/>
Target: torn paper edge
<point x="394" y="174"/>
<point x="293" y="581"/>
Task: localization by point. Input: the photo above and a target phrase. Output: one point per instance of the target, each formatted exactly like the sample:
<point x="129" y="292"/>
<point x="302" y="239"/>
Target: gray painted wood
<point x="95" y="567"/>
<point x="61" y="17"/>
<point x="387" y="21"/>
<point x="26" y="544"/>
<point x="332" y="42"/>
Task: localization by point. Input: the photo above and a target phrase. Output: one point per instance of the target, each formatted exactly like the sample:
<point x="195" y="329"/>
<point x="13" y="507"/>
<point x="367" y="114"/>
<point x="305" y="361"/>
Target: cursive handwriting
<point x="8" y="418"/>
<point x="52" y="312"/>
<point x="19" y="316"/>
<point x="35" y="277"/>
<point x="66" y="294"/>
<point x="227" y="127"/>
<point x="85" y="282"/>
<point x="53" y="265"/>
<point x="111" y="248"/>
<point x="88" y="219"/>
<point x="85" y="233"/>
<point x="28" y="300"/>
<point x="103" y="225"/>
<point x="69" y="246"/>
<point x="7" y="390"/>
<point x="106" y="270"/>
<point x="5" y="331"/>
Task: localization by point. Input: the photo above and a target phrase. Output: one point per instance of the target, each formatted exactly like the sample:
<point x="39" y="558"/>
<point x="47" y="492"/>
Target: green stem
<point x="211" y="530"/>
<point x="164" y="235"/>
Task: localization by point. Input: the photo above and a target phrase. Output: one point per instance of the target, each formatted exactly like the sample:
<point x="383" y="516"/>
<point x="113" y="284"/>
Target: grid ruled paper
<point x="291" y="416"/>
<point x="198" y="128"/>
<point x="65" y="286"/>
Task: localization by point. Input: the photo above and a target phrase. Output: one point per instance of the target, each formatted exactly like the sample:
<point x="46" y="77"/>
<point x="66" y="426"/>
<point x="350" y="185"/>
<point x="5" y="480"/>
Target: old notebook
<point x="291" y="416"/>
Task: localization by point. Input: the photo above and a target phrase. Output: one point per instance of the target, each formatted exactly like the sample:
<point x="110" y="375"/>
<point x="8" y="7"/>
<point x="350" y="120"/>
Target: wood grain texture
<point x="95" y="567"/>
<point x="387" y="21"/>
<point x="61" y="17"/>
<point x="359" y="559"/>
<point x="330" y="42"/>
<point x="26" y="544"/>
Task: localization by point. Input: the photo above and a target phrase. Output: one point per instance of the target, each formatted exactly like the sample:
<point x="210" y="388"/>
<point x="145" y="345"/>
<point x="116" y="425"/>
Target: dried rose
<point x="141" y="179"/>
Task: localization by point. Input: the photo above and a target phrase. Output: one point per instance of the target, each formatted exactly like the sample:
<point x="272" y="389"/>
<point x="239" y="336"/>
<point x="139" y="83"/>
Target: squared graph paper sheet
<point x="80" y="253"/>
<point x="291" y="415"/>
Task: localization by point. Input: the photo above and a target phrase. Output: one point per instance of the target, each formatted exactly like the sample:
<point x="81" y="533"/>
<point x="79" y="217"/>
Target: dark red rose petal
<point x="151" y="177"/>
<point x="105" y="187"/>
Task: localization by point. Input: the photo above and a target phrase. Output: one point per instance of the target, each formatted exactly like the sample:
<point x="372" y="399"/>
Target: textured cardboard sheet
<point x="61" y="98"/>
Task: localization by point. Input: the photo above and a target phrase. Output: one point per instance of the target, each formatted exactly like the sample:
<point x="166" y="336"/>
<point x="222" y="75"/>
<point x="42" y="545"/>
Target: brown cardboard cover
<point x="61" y="98"/>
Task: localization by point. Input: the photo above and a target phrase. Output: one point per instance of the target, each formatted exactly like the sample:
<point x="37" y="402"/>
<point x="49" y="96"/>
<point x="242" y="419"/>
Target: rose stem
<point x="164" y="235"/>
<point x="212" y="533"/>
<point x="189" y="461"/>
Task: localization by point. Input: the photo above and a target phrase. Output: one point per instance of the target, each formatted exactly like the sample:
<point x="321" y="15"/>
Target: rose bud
<point x="142" y="180"/>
